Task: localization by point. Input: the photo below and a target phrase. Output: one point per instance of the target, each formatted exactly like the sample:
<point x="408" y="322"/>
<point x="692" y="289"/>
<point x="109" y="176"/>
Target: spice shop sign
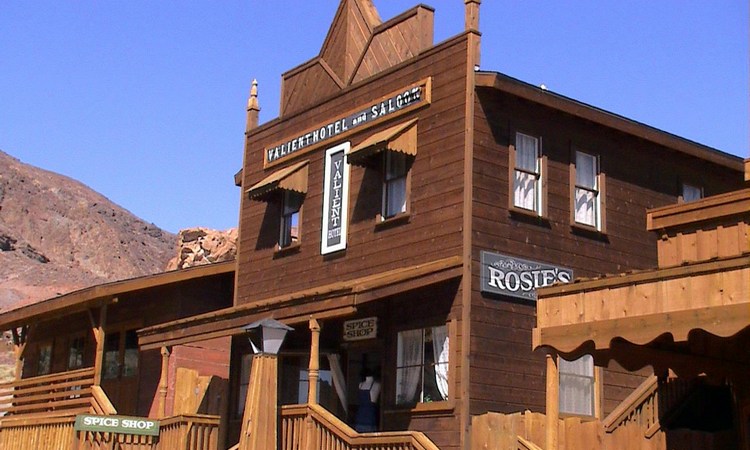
<point x="361" y="329"/>
<point x="400" y="101"/>
<point x="117" y="424"/>
<point x="516" y="277"/>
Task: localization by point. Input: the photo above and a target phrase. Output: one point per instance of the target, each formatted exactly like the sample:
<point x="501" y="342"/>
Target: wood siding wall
<point x="506" y="376"/>
<point x="433" y="229"/>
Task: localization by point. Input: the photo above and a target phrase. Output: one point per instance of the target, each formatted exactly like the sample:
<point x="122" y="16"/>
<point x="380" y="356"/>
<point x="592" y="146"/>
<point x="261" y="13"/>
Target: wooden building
<point x="689" y="320"/>
<point x="410" y="204"/>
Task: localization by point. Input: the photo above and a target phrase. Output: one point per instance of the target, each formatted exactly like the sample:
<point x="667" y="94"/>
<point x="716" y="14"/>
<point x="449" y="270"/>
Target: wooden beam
<point x="553" y="402"/>
<point x="19" y="347"/>
<point x="99" y="337"/>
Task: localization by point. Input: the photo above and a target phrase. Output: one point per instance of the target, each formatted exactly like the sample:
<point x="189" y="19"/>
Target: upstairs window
<point x="577" y="386"/>
<point x="393" y="150"/>
<point x="394" y="184"/>
<point x="527" y="170"/>
<point x="691" y="193"/>
<point x="588" y="191"/>
<point x="290" y="213"/>
<point x="285" y="189"/>
<point x="422" y="365"/>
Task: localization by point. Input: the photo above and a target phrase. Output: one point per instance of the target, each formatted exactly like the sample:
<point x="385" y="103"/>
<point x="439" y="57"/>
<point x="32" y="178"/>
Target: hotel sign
<point x="516" y="277"/>
<point x="401" y="101"/>
<point x="361" y="329"/>
<point x="117" y="424"/>
<point x="335" y="200"/>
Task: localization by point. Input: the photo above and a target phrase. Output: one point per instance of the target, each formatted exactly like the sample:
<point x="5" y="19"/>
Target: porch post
<point x="259" y="420"/>
<point x="313" y="371"/>
<point x="164" y="381"/>
<point x="99" y="337"/>
<point x="553" y="402"/>
<point x="19" y="346"/>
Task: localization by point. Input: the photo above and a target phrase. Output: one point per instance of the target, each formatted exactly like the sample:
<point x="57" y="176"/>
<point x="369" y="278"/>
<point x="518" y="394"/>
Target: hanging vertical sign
<point x="335" y="200"/>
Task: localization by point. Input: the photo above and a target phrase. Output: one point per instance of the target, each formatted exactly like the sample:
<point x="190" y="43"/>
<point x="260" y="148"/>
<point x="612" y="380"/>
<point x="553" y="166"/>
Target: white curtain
<point x="339" y="382"/>
<point x="409" y="363"/>
<point x="441" y="349"/>
<point x="525" y="190"/>
<point x="577" y="386"/>
<point x="396" y="201"/>
<point x="585" y="207"/>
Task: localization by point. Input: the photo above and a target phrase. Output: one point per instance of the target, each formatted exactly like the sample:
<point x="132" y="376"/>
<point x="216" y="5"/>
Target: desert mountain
<point x="57" y="235"/>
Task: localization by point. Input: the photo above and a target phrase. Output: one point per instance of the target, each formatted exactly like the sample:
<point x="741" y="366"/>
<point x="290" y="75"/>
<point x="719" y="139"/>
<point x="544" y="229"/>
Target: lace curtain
<point x="441" y="350"/>
<point x="409" y="363"/>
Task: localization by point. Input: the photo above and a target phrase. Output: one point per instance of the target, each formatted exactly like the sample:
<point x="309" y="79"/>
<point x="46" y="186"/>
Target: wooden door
<point x="120" y="369"/>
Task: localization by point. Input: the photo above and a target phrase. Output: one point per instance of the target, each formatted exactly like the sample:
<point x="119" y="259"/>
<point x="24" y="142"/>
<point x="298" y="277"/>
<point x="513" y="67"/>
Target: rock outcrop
<point x="198" y="246"/>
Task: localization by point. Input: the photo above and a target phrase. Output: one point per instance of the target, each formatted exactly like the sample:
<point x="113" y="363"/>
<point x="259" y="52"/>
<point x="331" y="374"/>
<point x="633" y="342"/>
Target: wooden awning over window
<point x="401" y="138"/>
<point x="711" y="296"/>
<point x="292" y="178"/>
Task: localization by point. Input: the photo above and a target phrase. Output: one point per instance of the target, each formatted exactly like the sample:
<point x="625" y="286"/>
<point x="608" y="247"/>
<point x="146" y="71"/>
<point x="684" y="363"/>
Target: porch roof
<point x="95" y="296"/>
<point x="332" y="300"/>
<point x="713" y="296"/>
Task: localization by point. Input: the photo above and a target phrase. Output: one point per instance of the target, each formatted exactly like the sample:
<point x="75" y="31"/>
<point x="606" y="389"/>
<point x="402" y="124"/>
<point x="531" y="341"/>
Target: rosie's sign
<point x="516" y="277"/>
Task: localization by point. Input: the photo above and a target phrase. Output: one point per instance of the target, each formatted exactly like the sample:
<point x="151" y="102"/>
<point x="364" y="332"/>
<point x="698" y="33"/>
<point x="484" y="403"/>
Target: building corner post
<point x="553" y="403"/>
<point x="164" y="381"/>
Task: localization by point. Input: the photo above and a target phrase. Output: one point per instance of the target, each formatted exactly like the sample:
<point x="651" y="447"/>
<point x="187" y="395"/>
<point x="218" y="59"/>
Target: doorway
<point x="362" y="359"/>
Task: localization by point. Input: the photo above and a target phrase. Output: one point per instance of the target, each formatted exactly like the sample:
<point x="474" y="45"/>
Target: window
<point x="395" y="173"/>
<point x="44" y="363"/>
<point x="527" y="167"/>
<point x="577" y="384"/>
<point x="691" y="193"/>
<point x="290" y="207"/>
<point x="76" y="347"/>
<point x="588" y="191"/>
<point x="247" y="364"/>
<point x="422" y="365"/>
<point x="120" y="355"/>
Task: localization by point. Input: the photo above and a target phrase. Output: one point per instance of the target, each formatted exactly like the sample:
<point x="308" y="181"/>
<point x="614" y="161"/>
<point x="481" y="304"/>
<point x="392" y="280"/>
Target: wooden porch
<point x="40" y="413"/>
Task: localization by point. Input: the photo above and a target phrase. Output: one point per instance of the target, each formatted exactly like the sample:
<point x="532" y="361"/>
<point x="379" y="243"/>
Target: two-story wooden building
<point x="411" y="204"/>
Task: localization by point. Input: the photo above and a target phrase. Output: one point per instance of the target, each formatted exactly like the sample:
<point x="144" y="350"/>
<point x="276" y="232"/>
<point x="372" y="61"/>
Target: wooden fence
<point x="312" y="427"/>
<point x="185" y="432"/>
<point x="60" y="394"/>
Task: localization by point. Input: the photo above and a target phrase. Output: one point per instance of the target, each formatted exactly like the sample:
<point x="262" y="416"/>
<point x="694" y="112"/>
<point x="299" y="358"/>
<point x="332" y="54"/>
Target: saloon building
<point x="400" y="214"/>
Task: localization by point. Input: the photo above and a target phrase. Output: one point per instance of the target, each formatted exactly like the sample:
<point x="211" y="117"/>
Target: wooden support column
<point x="19" y="346"/>
<point x="259" y="422"/>
<point x="98" y="329"/>
<point x="313" y="371"/>
<point x="164" y="381"/>
<point x="553" y="402"/>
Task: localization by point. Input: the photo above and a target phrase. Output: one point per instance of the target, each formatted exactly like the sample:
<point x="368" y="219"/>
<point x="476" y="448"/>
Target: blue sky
<point x="144" y="100"/>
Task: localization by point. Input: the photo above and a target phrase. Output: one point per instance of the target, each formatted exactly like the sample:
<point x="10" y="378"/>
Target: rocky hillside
<point x="57" y="235"/>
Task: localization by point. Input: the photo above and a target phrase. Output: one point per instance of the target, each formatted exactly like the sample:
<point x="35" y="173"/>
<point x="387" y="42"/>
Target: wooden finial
<point x="471" y="14"/>
<point x="252" y="107"/>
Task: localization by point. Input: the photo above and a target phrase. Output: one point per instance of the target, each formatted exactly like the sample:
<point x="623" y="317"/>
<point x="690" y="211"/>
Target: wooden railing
<point x="186" y="432"/>
<point x="647" y="406"/>
<point x="308" y="427"/>
<point x="60" y="394"/>
<point x="189" y="432"/>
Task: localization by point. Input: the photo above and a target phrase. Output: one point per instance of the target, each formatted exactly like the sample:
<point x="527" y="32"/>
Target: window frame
<point x="684" y="198"/>
<point x="540" y="173"/>
<point x="599" y="189"/>
<point x="286" y="238"/>
<point x="72" y="339"/>
<point x="421" y="403"/>
<point x="594" y="388"/>
<point x="45" y="345"/>
<point x="405" y="175"/>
